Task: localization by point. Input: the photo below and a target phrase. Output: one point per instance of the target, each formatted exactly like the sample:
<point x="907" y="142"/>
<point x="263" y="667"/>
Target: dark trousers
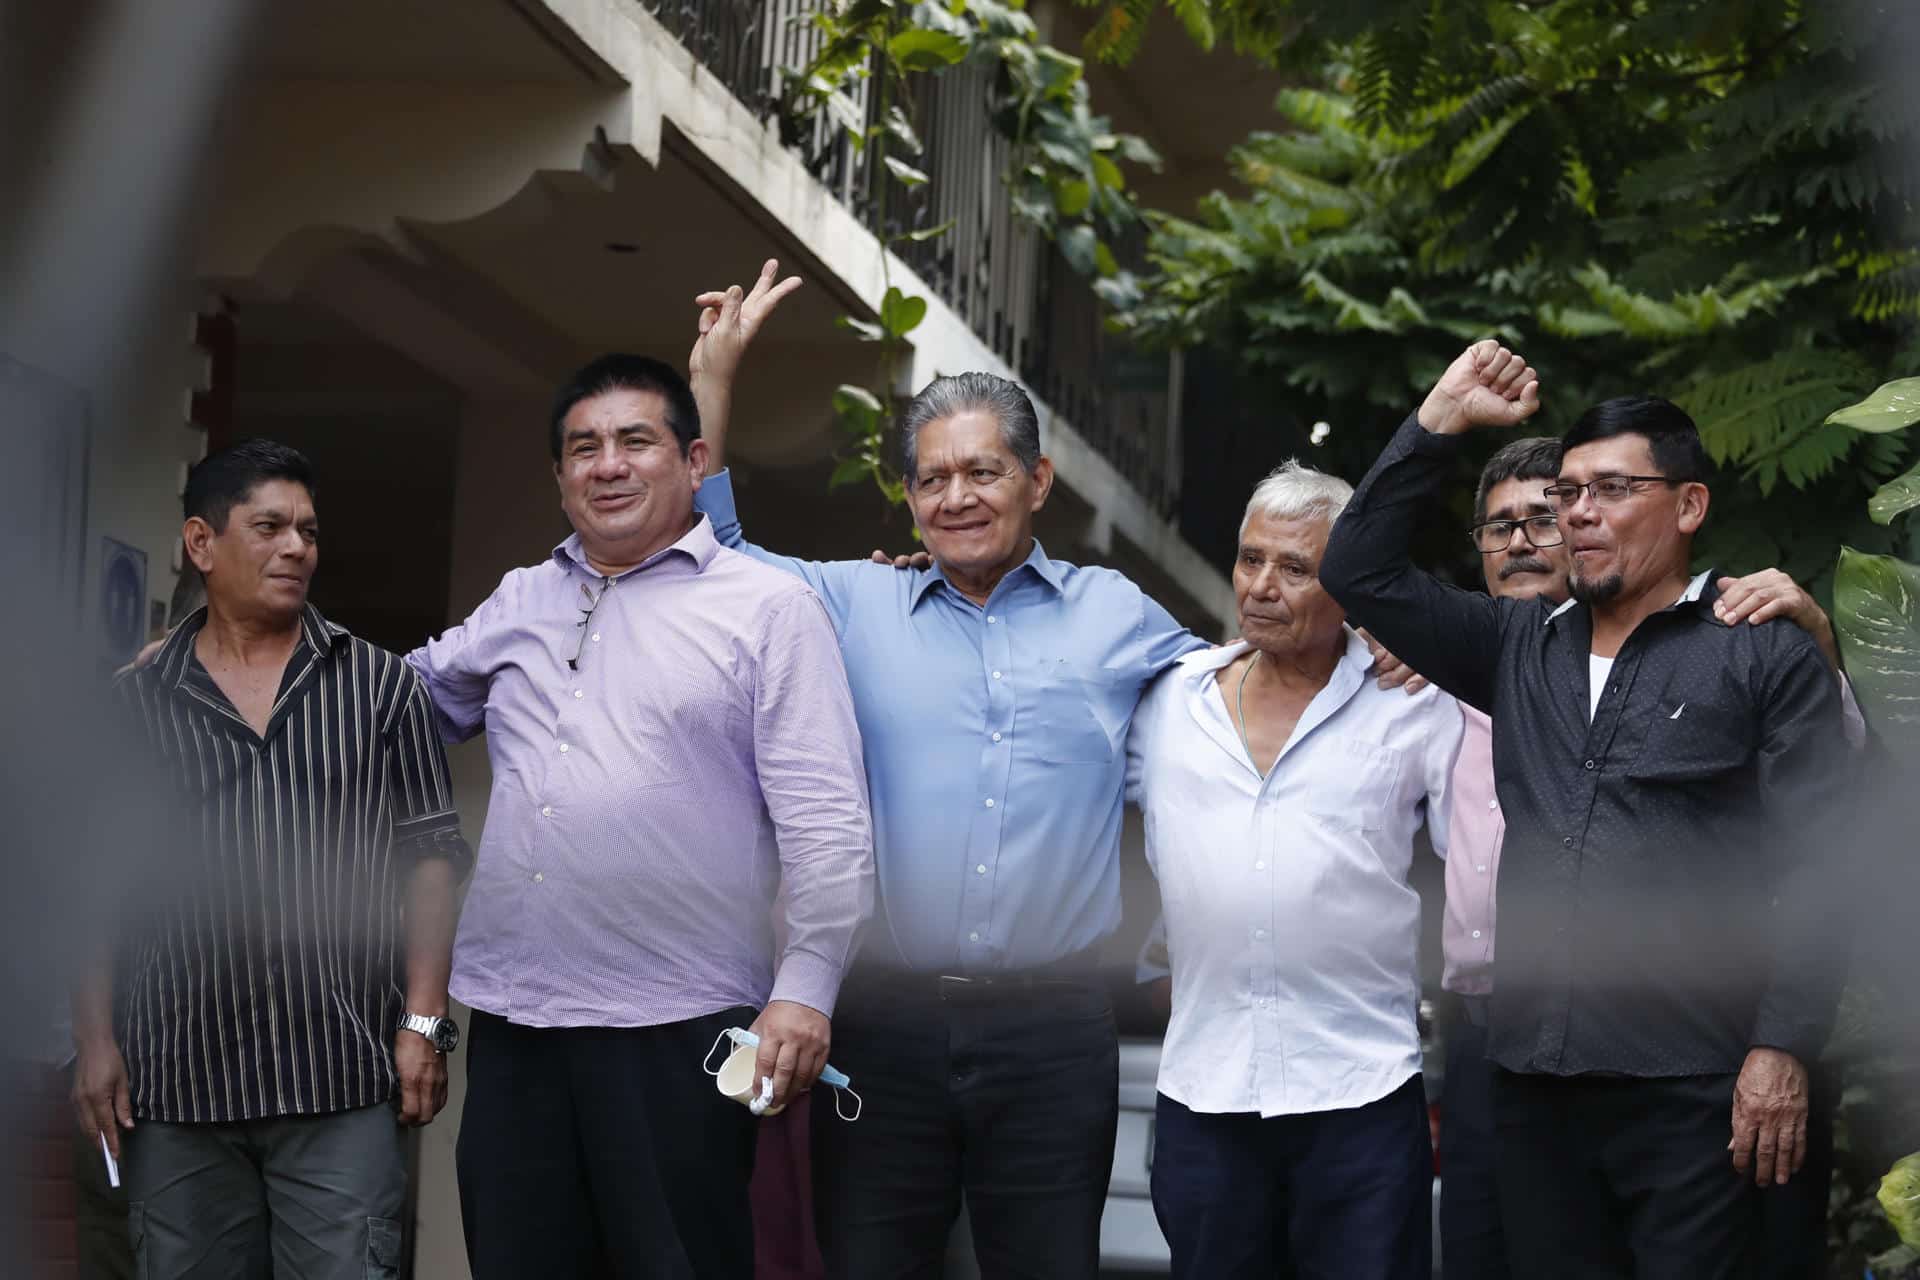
<point x="1622" y="1177"/>
<point x="318" y="1197"/>
<point x="1343" y="1194"/>
<point x="603" y="1151"/>
<point x="1008" y="1097"/>
<point x="1793" y="1218"/>
<point x="1472" y="1245"/>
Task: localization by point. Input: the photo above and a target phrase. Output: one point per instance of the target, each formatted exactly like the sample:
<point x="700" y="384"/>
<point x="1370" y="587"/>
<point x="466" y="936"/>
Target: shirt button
<point x="564" y="748"/>
<point x="1481" y="867"/>
<point x="973" y="937"/>
<point x="578" y="694"/>
<point x="1476" y="933"/>
<point x="1259" y="933"/>
<point x="1259" y="866"/>
<point x="991" y="618"/>
<point x="538" y="877"/>
<point x="1589" y="765"/>
<point x="1567" y="841"/>
<point x="989" y="802"/>
<point x="546" y="811"/>
<point x="996" y="675"/>
<point x="1493" y="804"/>
<point x="596" y="637"/>
<point x="996" y="737"/>
<point x="981" y="869"/>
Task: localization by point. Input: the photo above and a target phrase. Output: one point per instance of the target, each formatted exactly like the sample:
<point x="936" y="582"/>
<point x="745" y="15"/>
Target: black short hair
<point x="1677" y="451"/>
<point x="619" y="372"/>
<point x="222" y="481"/>
<point x="1534" y="458"/>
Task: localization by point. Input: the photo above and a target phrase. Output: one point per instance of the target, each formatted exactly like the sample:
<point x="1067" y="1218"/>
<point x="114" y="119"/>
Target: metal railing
<point x="995" y="271"/>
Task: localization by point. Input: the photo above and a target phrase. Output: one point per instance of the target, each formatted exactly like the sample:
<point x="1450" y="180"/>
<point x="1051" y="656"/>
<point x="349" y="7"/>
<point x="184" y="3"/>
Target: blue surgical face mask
<point x="829" y="1075"/>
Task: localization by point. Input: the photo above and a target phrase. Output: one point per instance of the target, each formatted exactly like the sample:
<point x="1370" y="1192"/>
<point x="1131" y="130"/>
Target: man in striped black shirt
<point x="278" y="985"/>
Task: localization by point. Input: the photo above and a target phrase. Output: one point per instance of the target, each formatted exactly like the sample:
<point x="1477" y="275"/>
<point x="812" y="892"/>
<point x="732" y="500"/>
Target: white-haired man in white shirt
<point x="1282" y="789"/>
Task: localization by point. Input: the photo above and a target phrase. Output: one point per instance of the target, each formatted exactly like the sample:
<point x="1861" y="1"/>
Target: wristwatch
<point x="442" y="1033"/>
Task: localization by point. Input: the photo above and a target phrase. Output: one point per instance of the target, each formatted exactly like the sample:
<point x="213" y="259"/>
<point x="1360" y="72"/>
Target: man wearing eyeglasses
<point x="672" y="740"/>
<point x="1524" y="557"/>
<point x="1670" y="957"/>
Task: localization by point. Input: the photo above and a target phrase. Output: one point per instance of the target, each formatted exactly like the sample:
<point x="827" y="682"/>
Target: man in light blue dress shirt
<point x="994" y="692"/>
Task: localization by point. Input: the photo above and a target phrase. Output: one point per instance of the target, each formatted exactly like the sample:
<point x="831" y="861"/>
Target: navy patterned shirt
<point x="1667" y="890"/>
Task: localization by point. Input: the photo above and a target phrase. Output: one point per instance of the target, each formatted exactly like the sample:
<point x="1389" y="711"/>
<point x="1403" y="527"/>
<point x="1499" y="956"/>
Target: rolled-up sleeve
<point x="807" y="755"/>
<point x="425" y="823"/>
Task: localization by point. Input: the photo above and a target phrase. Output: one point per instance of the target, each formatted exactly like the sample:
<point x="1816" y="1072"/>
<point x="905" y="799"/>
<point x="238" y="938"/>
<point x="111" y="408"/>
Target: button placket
<point x="996" y="661"/>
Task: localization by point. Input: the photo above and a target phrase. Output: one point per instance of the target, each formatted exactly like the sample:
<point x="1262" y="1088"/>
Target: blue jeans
<point x="1328" y="1194"/>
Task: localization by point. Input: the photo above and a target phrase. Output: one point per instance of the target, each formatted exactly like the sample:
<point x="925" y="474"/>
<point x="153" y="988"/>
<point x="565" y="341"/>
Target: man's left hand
<point x="914" y="560"/>
<point x="1389" y="670"/>
<point x="793" y="1048"/>
<point x="422" y="1072"/>
<point x="729" y="320"/>
<point x="1769" y="594"/>
<point x="1770" y="1116"/>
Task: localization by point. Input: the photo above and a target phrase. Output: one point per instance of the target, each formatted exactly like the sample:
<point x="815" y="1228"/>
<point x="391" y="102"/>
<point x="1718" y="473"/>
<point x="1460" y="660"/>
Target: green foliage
<point x="1876" y="613"/>
<point x="1710" y="199"/>
<point x="1895" y="406"/>
<point x="1066" y="178"/>
<point x="1900" y="1197"/>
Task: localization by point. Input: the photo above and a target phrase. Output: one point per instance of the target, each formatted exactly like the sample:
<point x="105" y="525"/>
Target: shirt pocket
<point x="1355" y="787"/>
<point x="1691" y="740"/>
<point x="1067" y="725"/>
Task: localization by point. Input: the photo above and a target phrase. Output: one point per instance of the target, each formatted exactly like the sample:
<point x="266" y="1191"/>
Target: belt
<point x="1079" y="969"/>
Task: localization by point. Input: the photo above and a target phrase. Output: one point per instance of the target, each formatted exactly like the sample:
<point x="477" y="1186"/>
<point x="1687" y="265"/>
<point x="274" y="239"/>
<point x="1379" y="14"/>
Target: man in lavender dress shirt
<point x="1523" y="556"/>
<point x="672" y="736"/>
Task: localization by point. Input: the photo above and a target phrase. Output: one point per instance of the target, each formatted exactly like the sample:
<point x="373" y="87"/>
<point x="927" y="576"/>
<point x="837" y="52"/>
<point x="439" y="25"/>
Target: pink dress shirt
<point x="1474" y="831"/>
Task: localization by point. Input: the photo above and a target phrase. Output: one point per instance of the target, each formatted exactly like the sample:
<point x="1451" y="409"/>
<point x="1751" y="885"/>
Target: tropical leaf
<point x="921" y="50"/>
<point x="905" y="173"/>
<point x="901" y="314"/>
<point x="1894" y="497"/>
<point x="1876" y="614"/>
<point x="1893" y="407"/>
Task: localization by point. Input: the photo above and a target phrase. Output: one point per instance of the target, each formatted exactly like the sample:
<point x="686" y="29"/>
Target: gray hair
<point x="1295" y="492"/>
<point x="977" y="392"/>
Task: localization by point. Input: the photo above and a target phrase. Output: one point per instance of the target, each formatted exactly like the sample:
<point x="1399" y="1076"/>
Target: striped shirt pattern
<point x="262" y="976"/>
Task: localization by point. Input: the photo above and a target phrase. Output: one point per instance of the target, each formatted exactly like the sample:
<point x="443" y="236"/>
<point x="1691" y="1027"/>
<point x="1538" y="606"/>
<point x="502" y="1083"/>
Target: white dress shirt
<point x="1290" y="924"/>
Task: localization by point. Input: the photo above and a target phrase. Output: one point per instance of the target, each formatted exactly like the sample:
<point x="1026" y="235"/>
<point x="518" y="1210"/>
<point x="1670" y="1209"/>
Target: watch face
<point x="446" y="1034"/>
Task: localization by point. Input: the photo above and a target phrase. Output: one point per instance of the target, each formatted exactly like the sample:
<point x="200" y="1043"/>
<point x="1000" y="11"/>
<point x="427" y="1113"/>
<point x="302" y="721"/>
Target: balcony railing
<point x="998" y="273"/>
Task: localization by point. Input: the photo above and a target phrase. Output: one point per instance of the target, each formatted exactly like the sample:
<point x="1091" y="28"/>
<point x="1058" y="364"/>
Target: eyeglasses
<point x="586" y="619"/>
<point x="1605" y="490"/>
<point x="1497" y="535"/>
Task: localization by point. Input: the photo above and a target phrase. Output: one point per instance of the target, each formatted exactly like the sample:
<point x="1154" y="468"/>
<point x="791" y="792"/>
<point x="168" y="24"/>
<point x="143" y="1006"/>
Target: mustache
<point x="1525" y="564"/>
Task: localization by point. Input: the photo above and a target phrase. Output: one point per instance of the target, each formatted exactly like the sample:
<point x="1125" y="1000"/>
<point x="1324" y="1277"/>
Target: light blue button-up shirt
<point x="995" y="742"/>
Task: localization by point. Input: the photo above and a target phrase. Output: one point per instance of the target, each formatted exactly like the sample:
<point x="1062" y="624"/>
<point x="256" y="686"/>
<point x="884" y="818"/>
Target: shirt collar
<point x="175" y="658"/>
<point x="697" y="544"/>
<point x="1695" y="593"/>
<point x="1044" y="568"/>
<point x="1202" y="662"/>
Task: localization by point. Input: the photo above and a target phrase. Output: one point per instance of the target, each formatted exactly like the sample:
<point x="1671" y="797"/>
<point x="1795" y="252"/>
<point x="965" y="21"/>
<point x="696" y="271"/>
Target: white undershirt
<point x="1598" y="669"/>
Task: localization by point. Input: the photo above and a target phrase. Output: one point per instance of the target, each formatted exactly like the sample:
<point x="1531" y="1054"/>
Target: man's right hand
<point x="728" y="321"/>
<point x="101" y="1102"/>
<point x="1486" y="386"/>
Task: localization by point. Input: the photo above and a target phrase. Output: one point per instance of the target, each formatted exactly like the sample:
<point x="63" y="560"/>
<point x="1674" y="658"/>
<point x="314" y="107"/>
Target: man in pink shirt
<point x="1522" y="556"/>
